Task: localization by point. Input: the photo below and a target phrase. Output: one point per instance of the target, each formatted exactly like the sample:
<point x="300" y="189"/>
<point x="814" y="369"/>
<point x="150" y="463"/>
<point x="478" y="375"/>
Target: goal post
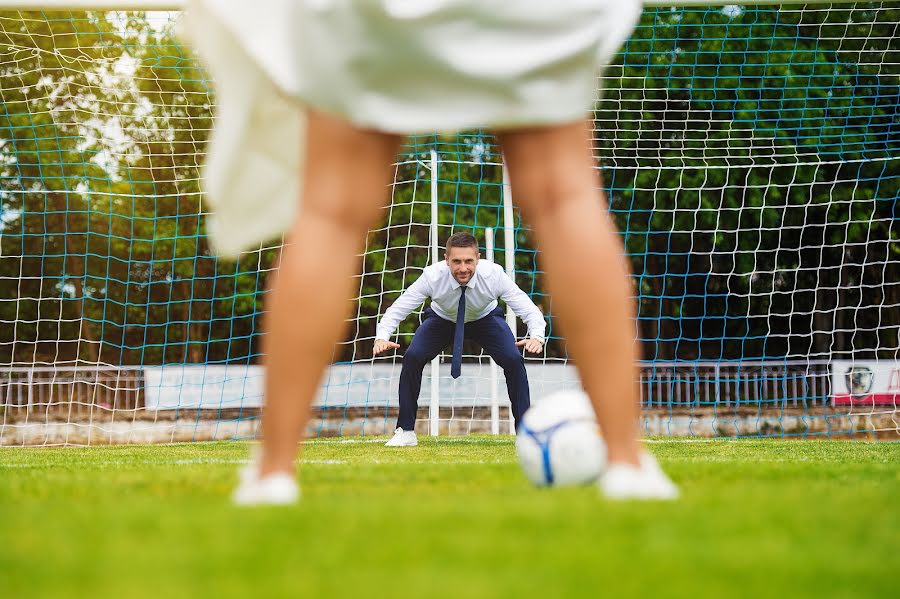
<point x="750" y="153"/>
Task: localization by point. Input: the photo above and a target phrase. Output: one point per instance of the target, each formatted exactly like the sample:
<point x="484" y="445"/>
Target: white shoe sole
<point x="401" y="443"/>
<point x="275" y="489"/>
<point x="647" y="482"/>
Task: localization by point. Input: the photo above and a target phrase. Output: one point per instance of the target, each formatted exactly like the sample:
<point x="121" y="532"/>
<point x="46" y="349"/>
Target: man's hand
<point x="532" y="346"/>
<point x="382" y="346"/>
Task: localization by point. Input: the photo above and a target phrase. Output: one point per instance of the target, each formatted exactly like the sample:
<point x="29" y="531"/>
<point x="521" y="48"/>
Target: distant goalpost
<point x="751" y="154"/>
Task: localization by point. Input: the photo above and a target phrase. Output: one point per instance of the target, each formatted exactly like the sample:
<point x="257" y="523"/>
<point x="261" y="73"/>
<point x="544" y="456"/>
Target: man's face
<point x="462" y="263"/>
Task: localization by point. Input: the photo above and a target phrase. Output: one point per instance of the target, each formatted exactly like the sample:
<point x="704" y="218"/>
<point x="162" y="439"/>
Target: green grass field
<point x="453" y="517"/>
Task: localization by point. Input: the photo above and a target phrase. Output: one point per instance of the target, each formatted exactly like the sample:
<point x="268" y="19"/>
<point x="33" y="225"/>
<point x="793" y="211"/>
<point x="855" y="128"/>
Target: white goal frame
<point x="507" y="200"/>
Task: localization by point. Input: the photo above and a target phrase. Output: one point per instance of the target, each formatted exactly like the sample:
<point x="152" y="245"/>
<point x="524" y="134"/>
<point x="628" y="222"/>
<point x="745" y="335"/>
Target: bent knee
<point x="510" y="361"/>
<point x="414" y="358"/>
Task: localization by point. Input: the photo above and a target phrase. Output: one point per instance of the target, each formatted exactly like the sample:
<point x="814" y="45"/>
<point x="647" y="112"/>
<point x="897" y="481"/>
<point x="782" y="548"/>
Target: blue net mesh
<point x="750" y="157"/>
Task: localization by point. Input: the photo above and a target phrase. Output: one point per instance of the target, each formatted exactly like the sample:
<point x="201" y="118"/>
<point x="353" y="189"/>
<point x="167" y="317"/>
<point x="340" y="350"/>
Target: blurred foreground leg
<point x="347" y="176"/>
<point x="556" y="183"/>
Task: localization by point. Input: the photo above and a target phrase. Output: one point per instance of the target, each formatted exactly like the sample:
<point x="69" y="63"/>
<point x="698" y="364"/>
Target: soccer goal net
<point x="750" y="152"/>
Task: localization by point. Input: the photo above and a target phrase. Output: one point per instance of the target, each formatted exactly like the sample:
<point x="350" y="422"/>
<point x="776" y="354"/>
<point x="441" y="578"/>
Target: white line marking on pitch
<point x="454" y="439"/>
<point x="166" y="462"/>
<point x="234" y="461"/>
<point x="702" y="440"/>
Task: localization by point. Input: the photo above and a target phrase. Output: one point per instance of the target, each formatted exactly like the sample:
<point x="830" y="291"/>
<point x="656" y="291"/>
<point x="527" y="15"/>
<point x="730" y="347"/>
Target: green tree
<point x="750" y="157"/>
<point x="48" y="78"/>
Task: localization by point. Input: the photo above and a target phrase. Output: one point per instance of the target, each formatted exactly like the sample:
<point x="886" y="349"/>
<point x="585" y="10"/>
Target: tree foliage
<point x="750" y="157"/>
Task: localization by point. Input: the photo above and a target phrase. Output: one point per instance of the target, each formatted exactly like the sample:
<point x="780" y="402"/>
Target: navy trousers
<point x="435" y="333"/>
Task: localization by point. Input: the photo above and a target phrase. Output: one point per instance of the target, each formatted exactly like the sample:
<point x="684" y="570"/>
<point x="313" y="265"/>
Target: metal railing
<point x="794" y="384"/>
<point x="778" y="384"/>
<point x="76" y="389"/>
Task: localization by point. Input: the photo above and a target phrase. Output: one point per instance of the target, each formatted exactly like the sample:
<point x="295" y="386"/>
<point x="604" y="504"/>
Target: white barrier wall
<point x="345" y="385"/>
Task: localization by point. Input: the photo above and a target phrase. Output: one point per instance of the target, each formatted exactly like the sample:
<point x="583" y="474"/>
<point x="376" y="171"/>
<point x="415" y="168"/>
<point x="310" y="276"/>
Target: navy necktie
<point x="456" y="362"/>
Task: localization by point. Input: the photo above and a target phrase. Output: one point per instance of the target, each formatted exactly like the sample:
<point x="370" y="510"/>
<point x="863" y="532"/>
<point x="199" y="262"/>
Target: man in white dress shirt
<point x="464" y="292"/>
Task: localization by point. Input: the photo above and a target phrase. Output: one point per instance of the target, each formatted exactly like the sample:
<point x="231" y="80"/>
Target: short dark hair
<point x="462" y="240"/>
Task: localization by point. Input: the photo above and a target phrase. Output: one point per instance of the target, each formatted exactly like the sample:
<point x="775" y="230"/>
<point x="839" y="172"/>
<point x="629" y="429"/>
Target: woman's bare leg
<point x="347" y="174"/>
<point x="554" y="180"/>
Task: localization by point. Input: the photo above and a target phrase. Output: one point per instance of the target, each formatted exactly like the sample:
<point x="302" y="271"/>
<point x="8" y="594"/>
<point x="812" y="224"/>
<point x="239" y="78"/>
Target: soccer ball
<point x="558" y="441"/>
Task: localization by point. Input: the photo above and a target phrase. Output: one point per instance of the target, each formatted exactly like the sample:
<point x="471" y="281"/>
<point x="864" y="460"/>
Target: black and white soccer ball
<point x="559" y="442"/>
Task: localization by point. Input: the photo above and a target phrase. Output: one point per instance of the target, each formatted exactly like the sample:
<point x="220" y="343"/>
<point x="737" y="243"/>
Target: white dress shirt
<point x="488" y="282"/>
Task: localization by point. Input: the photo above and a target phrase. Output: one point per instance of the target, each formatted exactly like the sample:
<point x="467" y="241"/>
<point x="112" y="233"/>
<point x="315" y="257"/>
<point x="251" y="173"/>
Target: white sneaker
<point x="403" y="438"/>
<point x="648" y="481"/>
<point x="275" y="489"/>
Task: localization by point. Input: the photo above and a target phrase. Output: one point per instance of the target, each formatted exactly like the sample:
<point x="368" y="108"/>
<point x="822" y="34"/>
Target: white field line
<point x="697" y="440"/>
<point x="246" y="461"/>
<point x="453" y="439"/>
<point x="168" y="462"/>
<point x="505" y="439"/>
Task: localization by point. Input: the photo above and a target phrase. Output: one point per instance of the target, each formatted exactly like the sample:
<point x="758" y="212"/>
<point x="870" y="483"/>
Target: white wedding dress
<point x="401" y="66"/>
